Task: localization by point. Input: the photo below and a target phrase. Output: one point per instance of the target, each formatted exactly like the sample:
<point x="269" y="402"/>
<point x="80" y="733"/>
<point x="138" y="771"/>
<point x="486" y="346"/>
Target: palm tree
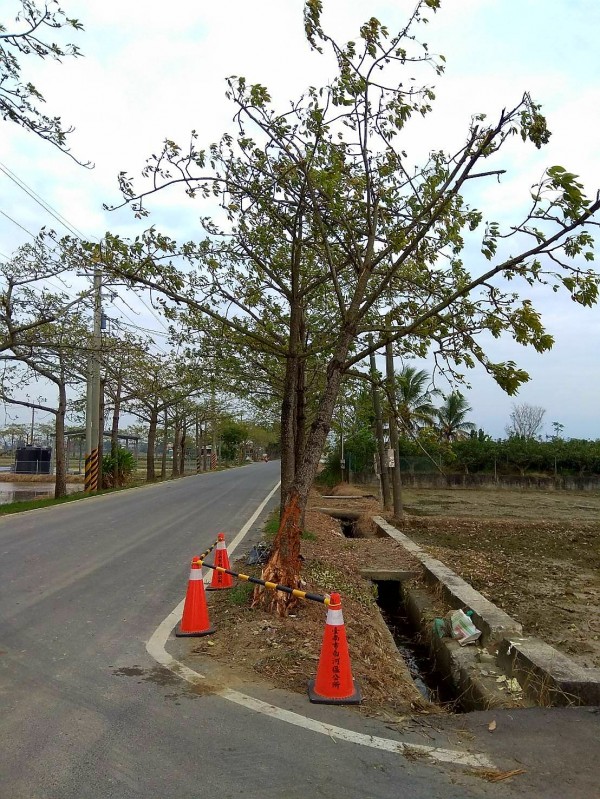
<point x="414" y="407"/>
<point x="451" y="417"/>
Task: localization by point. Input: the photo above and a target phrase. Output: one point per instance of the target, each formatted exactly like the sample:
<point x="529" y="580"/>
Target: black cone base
<point x="317" y="699"/>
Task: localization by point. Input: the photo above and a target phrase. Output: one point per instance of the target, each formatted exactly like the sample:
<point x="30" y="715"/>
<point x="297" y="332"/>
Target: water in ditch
<point x="414" y="652"/>
<point x="430" y="683"/>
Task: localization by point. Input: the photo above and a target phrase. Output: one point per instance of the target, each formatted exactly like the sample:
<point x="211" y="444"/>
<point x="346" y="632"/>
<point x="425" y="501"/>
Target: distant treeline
<point x="477" y="454"/>
<point x="518" y="455"/>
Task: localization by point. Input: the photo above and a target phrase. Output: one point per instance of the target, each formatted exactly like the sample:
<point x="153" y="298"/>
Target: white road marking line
<point x="156" y="648"/>
<point x="373" y="741"/>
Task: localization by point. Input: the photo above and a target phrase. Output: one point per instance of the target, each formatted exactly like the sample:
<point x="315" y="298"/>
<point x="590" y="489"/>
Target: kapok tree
<point x="26" y="301"/>
<point x="327" y="233"/>
<point x="32" y="33"/>
<point x="55" y="352"/>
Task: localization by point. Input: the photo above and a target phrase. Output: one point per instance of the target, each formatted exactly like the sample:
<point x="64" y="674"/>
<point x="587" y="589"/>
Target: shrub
<point x="125" y="463"/>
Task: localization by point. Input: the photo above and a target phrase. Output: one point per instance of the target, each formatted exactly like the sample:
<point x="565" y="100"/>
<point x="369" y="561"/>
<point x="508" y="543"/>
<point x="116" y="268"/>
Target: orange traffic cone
<point x="220" y="579"/>
<point x="334" y="684"/>
<point x="195" y="612"/>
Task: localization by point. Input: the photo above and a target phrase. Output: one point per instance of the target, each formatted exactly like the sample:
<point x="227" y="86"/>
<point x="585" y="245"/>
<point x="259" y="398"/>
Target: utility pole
<point x="203" y="446"/>
<point x="92" y="416"/>
<point x="396" y="479"/>
<point x="101" y="409"/>
<point x="198" y="463"/>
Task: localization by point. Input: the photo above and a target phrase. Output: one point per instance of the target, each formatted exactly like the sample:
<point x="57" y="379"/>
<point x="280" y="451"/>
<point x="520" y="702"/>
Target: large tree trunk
<point x="150" y="471"/>
<point x="60" y="483"/>
<point x="292" y="407"/>
<point x="300" y="416"/>
<point x="396" y="478"/>
<point x="300" y="420"/>
<point x="288" y="425"/>
<point x="283" y="566"/>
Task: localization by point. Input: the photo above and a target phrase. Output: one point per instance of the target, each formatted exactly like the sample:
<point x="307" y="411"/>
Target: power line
<point x="41" y="202"/>
<point x="135" y="326"/>
<point x="78" y="234"/>
<point x="8" y="257"/>
<point x="29" y="233"/>
<point x="158" y="319"/>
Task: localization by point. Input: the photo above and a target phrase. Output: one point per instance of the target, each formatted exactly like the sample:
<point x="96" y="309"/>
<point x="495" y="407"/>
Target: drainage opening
<point x="414" y="650"/>
<point x="350" y="528"/>
<point x="349" y="521"/>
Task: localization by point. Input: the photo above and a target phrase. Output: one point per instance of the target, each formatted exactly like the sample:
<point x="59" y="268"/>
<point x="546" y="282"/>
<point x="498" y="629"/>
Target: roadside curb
<point x="546" y="675"/>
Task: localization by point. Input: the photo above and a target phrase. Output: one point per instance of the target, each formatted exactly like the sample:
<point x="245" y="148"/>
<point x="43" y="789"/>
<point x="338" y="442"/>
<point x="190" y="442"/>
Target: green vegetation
<point x="271" y="526"/>
<point x="233" y="436"/>
<point x="34" y="34"/>
<point x="444" y="439"/>
<point x="239" y="594"/>
<point x="117" y="469"/>
<point x="34" y="504"/>
<point x="476" y="453"/>
<point x="520" y="455"/>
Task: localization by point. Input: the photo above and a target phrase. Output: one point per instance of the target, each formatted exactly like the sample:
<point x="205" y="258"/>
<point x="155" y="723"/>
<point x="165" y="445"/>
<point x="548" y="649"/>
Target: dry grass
<point x="11" y="477"/>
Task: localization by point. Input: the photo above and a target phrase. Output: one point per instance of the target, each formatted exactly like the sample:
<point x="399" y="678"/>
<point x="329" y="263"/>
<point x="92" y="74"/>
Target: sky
<point x="153" y="70"/>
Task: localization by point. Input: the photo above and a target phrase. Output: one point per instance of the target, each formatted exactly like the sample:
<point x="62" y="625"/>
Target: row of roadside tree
<point x="326" y="238"/>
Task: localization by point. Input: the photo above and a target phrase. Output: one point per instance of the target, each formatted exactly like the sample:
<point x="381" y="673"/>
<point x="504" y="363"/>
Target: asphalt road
<point x="86" y="713"/>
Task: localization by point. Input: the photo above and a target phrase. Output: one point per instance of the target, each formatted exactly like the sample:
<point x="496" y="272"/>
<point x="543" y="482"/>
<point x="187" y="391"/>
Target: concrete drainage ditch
<point x="504" y="669"/>
<point x="462" y="679"/>
<point x="413" y="650"/>
<point x="505" y="662"/>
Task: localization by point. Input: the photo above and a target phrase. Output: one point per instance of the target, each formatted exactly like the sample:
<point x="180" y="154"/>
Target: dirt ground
<point x="535" y="555"/>
<point x="286" y="651"/>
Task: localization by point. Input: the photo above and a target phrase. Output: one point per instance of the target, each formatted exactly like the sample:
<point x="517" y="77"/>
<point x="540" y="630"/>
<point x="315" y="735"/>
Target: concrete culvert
<point x="352" y="523"/>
